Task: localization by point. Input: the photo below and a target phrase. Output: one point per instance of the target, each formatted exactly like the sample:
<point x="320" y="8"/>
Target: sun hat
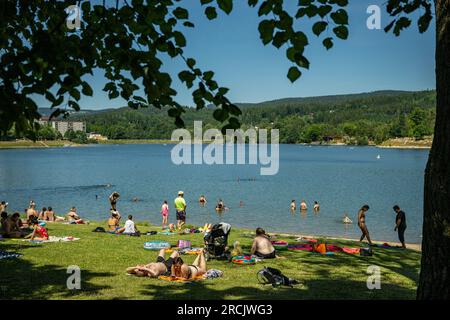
<point x="180" y="193"/>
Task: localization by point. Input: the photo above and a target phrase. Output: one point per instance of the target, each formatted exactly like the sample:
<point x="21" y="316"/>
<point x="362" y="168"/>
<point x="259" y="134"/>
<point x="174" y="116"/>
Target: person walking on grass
<point x="362" y="223"/>
<point x="400" y="224"/>
<point x="180" y="208"/>
<point x="165" y="214"/>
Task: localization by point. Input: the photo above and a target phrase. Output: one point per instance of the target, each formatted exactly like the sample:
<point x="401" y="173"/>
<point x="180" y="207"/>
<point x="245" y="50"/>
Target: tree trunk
<point x="434" y="282"/>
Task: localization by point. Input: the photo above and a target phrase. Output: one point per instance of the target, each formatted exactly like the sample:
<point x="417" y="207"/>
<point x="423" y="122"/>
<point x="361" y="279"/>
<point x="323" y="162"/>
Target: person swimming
<point x="220" y="205"/>
<point x="202" y="200"/>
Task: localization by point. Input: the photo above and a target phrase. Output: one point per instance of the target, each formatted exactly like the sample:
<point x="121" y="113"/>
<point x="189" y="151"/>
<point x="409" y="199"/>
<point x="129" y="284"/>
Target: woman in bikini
<point x="362" y="223"/>
<point x="191" y="271"/>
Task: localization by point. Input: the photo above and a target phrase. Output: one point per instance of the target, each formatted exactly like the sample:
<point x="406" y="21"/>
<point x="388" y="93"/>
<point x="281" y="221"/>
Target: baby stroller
<point x="216" y="241"/>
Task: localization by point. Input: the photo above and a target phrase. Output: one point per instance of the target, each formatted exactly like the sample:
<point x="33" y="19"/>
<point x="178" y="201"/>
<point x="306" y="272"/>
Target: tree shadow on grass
<point x="318" y="289"/>
<point x="22" y="279"/>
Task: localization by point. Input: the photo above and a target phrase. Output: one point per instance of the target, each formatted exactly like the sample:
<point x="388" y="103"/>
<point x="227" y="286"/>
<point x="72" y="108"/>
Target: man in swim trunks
<point x="400" y="225"/>
<point x="262" y="247"/>
<point x="362" y="223"/>
<point x="180" y="208"/>
<point x="161" y="267"/>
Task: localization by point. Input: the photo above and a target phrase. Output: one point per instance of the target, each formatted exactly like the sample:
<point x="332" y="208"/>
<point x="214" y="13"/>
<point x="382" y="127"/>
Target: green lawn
<point x="41" y="272"/>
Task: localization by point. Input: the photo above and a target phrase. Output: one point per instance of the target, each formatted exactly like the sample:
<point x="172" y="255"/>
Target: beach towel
<point x="193" y="251"/>
<point x="351" y="250"/>
<point x="333" y="248"/>
<point x="385" y="246"/>
<point x="303" y="239"/>
<point x="9" y="255"/>
<point x="54" y="239"/>
<point x="167" y="233"/>
<point x="181" y="280"/>
<point x="301" y="247"/>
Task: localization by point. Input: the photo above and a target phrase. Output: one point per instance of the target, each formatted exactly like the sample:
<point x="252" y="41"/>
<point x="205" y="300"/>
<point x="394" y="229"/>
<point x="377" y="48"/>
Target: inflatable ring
<point x="280" y="245"/>
<point x="156" y="245"/>
<point x="243" y="260"/>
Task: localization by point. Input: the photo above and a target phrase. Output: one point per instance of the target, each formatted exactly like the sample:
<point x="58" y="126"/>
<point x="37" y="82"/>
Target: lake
<point x="340" y="178"/>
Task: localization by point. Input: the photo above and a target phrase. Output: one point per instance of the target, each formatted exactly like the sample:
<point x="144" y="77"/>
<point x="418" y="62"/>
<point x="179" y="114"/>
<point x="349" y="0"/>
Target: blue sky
<point x="230" y="46"/>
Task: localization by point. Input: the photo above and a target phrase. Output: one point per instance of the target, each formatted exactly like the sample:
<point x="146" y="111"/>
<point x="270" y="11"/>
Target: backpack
<point x="99" y="229"/>
<point x="274" y="277"/>
<point x="366" y="252"/>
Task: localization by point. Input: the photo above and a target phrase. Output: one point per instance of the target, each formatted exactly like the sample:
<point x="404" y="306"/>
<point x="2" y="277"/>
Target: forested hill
<point x="353" y="118"/>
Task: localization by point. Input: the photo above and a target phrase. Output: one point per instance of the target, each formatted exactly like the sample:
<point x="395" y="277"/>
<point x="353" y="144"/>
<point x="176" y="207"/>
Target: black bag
<point x="99" y="229"/>
<point x="366" y="252"/>
<point x="274" y="277"/>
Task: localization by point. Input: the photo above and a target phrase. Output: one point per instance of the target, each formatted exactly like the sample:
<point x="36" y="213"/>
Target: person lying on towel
<point x="192" y="271"/>
<point x="161" y="267"/>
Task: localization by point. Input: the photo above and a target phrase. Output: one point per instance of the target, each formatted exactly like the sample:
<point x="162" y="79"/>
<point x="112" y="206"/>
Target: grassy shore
<point x="23" y="144"/>
<point x="400" y="143"/>
<point x="41" y="273"/>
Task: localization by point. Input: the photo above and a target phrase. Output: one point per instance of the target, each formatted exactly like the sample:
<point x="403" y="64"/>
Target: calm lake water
<point x="341" y="178"/>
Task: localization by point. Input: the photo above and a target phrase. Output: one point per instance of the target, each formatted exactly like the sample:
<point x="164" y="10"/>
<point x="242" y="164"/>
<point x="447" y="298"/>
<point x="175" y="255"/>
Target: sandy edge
<point x="411" y="246"/>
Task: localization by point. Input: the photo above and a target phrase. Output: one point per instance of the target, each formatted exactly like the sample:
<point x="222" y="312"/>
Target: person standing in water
<point x="113" y="198"/>
<point x="202" y="200"/>
<point x="293" y="206"/>
<point x="303" y="206"/>
<point x="180" y="208"/>
<point x="362" y="223"/>
<point x="316" y="207"/>
<point x="165" y="214"/>
<point x="400" y="225"/>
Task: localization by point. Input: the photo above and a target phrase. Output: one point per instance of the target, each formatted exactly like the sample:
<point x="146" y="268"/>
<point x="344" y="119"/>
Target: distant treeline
<point x="353" y="119"/>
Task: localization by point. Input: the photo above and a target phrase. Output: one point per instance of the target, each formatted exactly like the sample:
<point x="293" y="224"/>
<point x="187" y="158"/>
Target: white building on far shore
<point x="63" y="126"/>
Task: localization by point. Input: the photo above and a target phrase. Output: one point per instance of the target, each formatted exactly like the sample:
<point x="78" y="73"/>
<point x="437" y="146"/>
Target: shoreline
<point x="410" y="246"/>
<point x="23" y="144"/>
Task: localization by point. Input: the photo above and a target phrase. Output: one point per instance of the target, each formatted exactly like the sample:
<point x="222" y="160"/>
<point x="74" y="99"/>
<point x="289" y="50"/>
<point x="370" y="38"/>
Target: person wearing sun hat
<point x="180" y="208"/>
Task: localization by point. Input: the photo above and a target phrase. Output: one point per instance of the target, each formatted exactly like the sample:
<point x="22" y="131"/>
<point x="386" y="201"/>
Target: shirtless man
<point x="161" y="267"/>
<point x="31" y="211"/>
<point x="11" y="227"/>
<point x="362" y="223"/>
<point x="262" y="247"/>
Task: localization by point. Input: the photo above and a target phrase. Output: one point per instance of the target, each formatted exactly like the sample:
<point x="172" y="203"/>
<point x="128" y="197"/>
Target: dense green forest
<point x="353" y="119"/>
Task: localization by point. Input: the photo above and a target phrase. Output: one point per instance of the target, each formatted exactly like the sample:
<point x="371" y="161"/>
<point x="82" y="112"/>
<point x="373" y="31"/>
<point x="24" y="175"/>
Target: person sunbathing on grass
<point x="262" y="247"/>
<point x="192" y="271"/>
<point x="12" y="228"/>
<point x="39" y="232"/>
<point x="161" y="267"/>
<point x="73" y="217"/>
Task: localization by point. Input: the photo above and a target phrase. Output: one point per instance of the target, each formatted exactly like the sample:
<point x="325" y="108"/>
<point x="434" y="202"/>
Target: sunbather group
<point x="174" y="266"/>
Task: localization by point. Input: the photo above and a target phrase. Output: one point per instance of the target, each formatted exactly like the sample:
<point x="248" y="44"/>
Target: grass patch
<point x="41" y="272"/>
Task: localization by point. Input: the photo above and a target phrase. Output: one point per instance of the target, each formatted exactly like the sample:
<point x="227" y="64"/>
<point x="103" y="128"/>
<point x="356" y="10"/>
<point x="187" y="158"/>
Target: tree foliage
<point x="41" y="56"/>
